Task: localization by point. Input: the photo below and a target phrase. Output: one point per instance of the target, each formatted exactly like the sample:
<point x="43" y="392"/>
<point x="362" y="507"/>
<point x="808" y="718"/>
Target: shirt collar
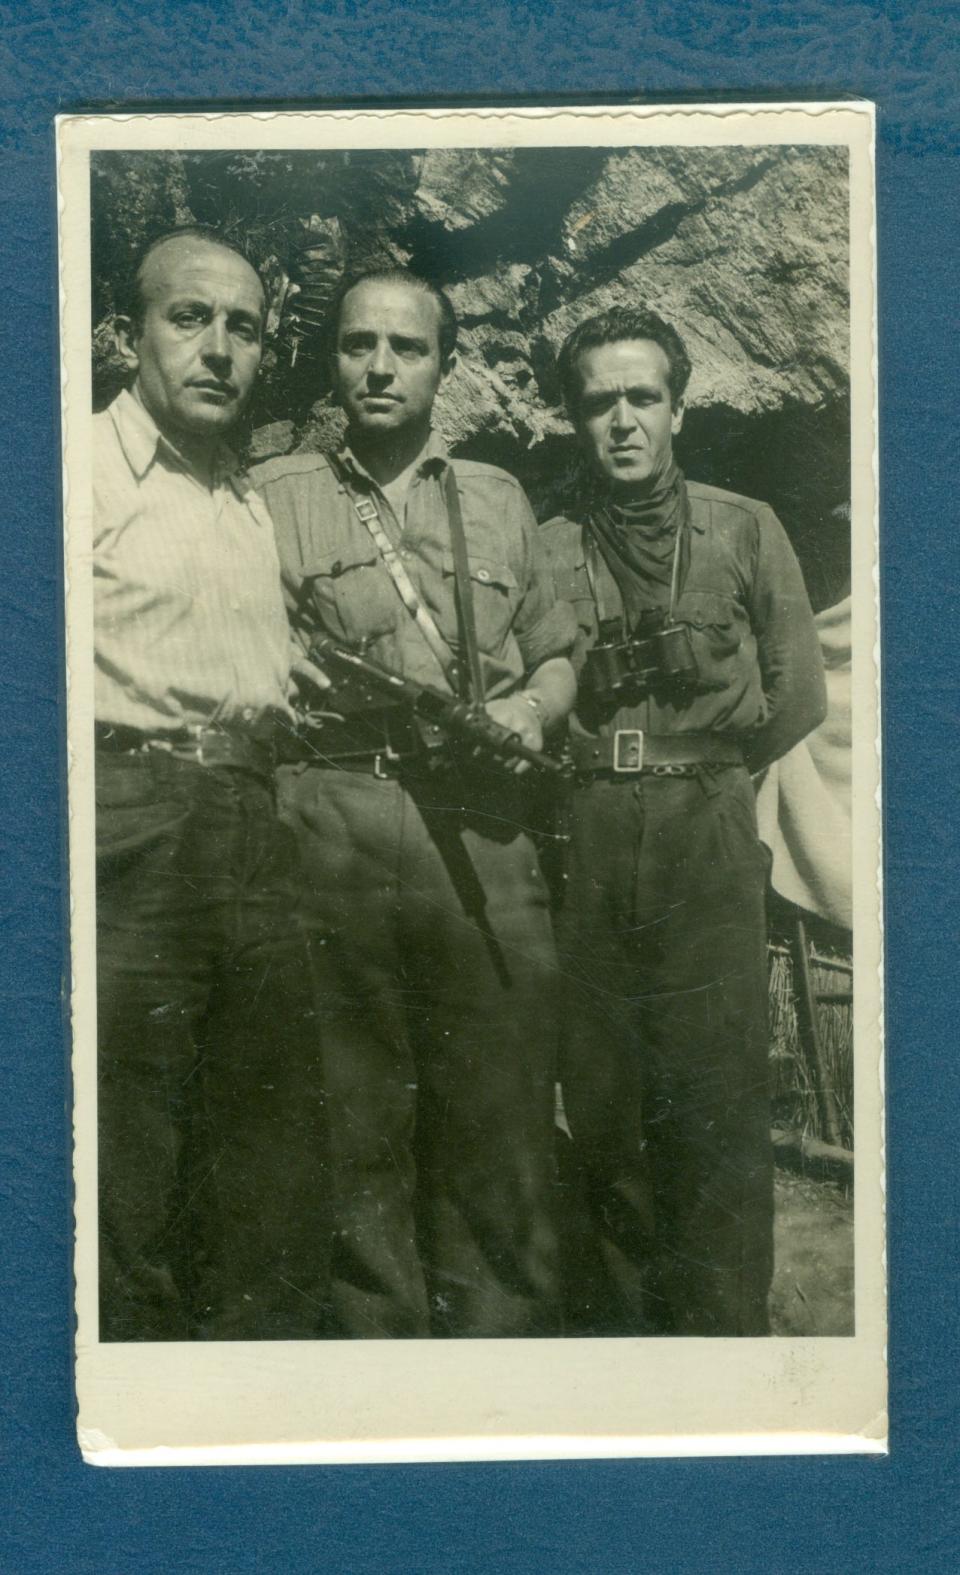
<point x="434" y="457"/>
<point x="140" y="439"/>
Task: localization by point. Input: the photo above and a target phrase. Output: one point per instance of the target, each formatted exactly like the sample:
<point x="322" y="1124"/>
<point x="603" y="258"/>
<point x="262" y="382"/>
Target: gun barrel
<point x="326" y="652"/>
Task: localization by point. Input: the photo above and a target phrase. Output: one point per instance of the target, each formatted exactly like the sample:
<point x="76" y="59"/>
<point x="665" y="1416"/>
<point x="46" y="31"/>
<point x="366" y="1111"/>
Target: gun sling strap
<point x="461" y="571"/>
<point x="366" y="510"/>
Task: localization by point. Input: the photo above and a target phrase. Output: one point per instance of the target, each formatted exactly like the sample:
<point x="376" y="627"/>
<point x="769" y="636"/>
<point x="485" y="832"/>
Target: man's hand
<point x="518" y="716"/>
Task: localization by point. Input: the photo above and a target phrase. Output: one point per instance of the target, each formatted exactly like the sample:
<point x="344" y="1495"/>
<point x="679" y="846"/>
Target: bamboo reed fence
<point x="797" y="1103"/>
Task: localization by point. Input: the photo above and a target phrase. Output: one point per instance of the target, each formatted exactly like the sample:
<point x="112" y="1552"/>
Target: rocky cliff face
<point x="745" y="250"/>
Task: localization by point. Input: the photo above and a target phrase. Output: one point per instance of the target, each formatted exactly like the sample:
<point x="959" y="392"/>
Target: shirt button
<point x="248" y="713"/>
<point x="483" y="574"/>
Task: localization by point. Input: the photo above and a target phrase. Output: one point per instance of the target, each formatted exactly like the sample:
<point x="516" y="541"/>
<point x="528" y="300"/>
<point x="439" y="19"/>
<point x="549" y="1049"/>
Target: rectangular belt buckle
<point x="366" y="509"/>
<point x="628" y="749"/>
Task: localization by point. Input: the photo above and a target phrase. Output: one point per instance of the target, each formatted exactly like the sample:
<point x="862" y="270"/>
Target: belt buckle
<point x="628" y="749"/>
<point x="366" y="510"/>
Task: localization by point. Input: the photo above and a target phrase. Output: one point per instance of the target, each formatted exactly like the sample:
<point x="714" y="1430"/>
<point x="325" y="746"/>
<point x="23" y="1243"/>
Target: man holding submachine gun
<point x="414" y="719"/>
<point x="435" y="666"/>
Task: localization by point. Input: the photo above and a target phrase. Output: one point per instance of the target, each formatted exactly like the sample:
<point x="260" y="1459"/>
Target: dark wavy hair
<point x="607" y="328"/>
<point x="448" y="317"/>
<point x="129" y="297"/>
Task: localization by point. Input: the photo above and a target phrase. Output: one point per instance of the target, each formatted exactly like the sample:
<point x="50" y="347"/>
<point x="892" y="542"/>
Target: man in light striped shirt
<point x="212" y="1216"/>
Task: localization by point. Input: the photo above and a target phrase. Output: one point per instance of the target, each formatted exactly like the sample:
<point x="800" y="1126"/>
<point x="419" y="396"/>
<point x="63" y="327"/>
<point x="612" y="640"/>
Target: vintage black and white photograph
<point x="471" y="555"/>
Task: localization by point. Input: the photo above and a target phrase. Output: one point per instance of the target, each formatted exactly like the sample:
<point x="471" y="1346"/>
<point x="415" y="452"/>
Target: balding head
<point x="193" y="340"/>
<point x="130" y="298"/>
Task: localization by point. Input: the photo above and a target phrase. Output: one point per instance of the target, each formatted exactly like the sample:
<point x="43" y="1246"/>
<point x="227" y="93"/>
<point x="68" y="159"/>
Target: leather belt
<point x="243" y="749"/>
<point x="630" y="752"/>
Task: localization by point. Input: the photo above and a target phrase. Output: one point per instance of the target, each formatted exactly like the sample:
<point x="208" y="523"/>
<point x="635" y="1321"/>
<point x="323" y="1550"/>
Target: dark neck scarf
<point x="637" y="540"/>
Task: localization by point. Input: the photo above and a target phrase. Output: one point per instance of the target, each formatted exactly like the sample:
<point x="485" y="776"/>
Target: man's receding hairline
<point x="422" y="290"/>
<point x="195" y="241"/>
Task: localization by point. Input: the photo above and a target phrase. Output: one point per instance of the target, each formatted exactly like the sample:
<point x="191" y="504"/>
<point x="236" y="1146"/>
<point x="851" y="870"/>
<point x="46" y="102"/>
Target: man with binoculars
<point x="699" y="665"/>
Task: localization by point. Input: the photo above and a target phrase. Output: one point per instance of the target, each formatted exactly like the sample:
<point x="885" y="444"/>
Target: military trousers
<point x="213" y="1195"/>
<point x="664" y="1057"/>
<point x="434" y="956"/>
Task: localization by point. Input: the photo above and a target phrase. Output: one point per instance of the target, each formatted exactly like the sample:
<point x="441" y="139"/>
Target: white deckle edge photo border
<point x="380" y="1401"/>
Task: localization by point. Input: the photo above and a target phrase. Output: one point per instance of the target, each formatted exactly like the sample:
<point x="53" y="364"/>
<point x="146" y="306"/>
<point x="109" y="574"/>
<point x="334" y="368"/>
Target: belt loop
<point x="708" y="781"/>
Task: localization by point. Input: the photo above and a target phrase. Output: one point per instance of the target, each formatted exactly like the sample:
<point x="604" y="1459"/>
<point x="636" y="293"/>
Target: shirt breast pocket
<point x="717" y="619"/>
<point x="351" y="594"/>
<point x="573" y="586"/>
<point x="495" y="591"/>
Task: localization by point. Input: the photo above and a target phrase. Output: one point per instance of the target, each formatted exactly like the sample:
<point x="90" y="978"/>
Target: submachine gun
<point x="360" y="685"/>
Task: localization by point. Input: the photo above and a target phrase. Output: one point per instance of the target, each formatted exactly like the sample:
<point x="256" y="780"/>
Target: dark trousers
<point x="435" y="958"/>
<point x="664" y="1061"/>
<point x="213" y="1219"/>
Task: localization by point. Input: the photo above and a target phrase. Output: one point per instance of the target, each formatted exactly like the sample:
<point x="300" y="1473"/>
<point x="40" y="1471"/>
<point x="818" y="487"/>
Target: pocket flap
<point x="330" y="565"/>
<point x="706" y="610"/>
<point x="571" y="583"/>
<point x="486" y="571"/>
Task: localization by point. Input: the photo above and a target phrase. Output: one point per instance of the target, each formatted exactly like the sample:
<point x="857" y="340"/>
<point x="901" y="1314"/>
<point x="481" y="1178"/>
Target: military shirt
<point x="336" y="582"/>
<point x="745" y="606"/>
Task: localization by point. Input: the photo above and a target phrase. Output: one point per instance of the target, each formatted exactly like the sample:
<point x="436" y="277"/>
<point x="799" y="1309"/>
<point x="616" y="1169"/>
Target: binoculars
<point x="659" y="655"/>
